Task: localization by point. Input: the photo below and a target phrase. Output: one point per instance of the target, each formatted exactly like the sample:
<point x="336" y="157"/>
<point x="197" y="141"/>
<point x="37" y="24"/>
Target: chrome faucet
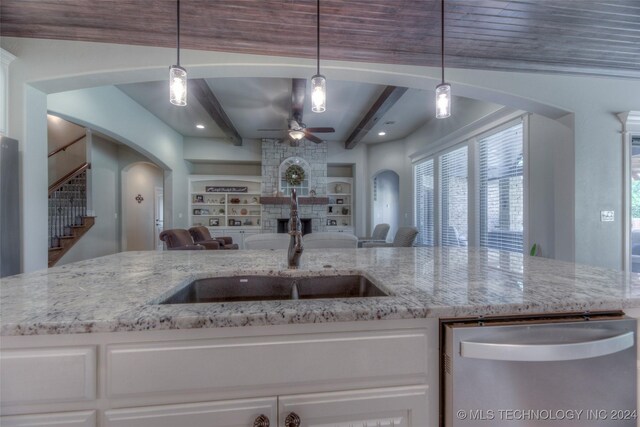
<point x="295" y="231"/>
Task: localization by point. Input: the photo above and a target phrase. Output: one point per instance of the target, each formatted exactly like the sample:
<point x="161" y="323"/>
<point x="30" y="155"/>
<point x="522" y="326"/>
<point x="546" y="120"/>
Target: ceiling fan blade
<point x="321" y="130"/>
<point x="313" y="138"/>
<point x="270" y="130"/>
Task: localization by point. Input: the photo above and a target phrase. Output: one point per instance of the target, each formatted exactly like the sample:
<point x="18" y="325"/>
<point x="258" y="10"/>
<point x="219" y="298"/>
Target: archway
<point x="386" y="200"/>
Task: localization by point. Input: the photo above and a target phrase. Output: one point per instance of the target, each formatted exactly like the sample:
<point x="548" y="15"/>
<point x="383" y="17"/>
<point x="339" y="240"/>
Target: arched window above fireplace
<point x="294" y="173"/>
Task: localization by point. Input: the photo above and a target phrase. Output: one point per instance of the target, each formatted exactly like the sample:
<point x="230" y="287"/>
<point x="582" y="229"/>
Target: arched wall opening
<point x="385" y="200"/>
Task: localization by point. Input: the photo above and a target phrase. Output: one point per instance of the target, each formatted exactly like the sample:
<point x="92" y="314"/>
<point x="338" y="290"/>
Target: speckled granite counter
<point x="119" y="292"/>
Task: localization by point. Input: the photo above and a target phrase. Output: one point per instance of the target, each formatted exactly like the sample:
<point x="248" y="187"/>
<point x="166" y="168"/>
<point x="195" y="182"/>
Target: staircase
<point x="68" y="220"/>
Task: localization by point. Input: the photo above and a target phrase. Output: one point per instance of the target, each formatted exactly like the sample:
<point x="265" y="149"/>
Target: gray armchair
<point x="405" y="237"/>
<point x="379" y="235"/>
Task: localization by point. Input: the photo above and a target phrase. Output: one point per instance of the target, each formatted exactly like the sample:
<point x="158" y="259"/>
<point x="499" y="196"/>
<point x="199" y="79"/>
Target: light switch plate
<point x="607" y="216"/>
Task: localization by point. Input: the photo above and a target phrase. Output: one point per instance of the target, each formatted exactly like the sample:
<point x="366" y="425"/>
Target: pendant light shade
<point x="177" y="74"/>
<point x="178" y="85"/>
<point x="318" y="82"/>
<point x="318" y="93"/>
<point x="443" y="90"/>
<point x="443" y="101"/>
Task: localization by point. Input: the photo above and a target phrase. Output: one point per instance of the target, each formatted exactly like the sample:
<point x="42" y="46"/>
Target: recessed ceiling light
<point x="200" y="126"/>
<point x="382" y="133"/>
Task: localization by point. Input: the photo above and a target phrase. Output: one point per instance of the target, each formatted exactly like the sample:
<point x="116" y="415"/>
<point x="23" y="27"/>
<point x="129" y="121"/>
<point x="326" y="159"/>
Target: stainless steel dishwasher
<point x="556" y="370"/>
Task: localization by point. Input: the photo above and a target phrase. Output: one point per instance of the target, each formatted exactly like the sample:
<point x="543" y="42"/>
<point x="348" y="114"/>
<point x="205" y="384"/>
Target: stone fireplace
<point x="311" y="208"/>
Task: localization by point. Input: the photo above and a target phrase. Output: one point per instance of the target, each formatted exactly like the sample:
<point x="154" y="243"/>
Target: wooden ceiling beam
<point x="202" y="92"/>
<point x="390" y="95"/>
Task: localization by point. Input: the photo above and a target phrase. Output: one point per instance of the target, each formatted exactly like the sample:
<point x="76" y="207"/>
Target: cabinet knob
<point x="292" y="420"/>
<point x="261" y="421"/>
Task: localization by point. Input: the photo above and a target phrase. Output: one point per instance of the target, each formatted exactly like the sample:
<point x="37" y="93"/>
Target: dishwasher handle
<point x="546" y="352"/>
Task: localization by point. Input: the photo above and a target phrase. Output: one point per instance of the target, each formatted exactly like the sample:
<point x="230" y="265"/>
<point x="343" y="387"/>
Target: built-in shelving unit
<point x="227" y="205"/>
<point x="340" y="207"/>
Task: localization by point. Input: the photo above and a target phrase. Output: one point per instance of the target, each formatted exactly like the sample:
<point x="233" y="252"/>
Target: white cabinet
<point x="225" y="201"/>
<point x="396" y="406"/>
<point x="58" y="419"/>
<point x="341" y="202"/>
<point x="238" y="413"/>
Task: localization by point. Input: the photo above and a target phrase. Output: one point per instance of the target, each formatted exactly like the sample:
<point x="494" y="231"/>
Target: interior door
<point x="394" y="406"/>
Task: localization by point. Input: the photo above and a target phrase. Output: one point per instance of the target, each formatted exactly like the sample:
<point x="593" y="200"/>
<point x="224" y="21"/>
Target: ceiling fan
<point x="296" y="129"/>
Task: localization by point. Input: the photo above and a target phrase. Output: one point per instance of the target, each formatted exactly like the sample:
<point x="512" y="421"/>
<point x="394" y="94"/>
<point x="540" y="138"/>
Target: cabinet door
<point x="70" y="419"/>
<point x="232" y="413"/>
<point x="386" y="407"/>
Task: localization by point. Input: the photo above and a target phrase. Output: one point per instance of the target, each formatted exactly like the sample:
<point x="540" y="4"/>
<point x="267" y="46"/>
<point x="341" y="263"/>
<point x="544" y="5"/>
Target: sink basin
<point x="265" y="288"/>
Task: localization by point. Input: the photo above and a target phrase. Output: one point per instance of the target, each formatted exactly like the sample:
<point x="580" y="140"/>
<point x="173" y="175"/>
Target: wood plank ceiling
<point x="579" y="36"/>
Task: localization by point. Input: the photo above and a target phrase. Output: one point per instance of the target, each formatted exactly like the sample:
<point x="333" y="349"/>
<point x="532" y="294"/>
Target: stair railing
<point x="67" y="203"/>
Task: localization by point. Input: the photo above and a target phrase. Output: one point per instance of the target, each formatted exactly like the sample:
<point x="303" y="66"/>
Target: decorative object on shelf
<point x="177" y="74"/>
<point x="345" y="211"/>
<point x="234" y="201"/>
<point x="234" y="211"/>
<point x="332" y="200"/>
<point x="254" y="212"/>
<point x="139" y="198"/>
<point x="197" y="211"/>
<point x="198" y="198"/>
<point x="204" y="212"/>
<point x="255" y="200"/>
<point x="243" y="211"/>
<point x="312" y="193"/>
<point x="245" y="201"/>
<point x="258" y="221"/>
<point x="221" y="211"/>
<point x="231" y="222"/>
<point x="318" y="82"/>
<point x="330" y="209"/>
<point x="345" y="223"/>
<point x="294" y="175"/>
<point x="237" y="223"/>
<point x="214" y="222"/>
<point x="339" y="201"/>
<point x="443" y="90"/>
<point x="219" y="189"/>
<point x="333" y="222"/>
<point x="337" y="188"/>
<point x="248" y="222"/>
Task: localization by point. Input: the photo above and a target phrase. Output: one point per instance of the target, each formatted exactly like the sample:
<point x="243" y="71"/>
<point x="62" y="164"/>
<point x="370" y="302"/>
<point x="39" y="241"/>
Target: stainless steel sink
<point x="265" y="288"/>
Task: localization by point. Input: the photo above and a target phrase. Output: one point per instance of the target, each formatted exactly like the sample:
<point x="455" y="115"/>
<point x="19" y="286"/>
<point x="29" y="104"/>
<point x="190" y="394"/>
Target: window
<point x="454" y="197"/>
<point x="302" y="184"/>
<point x="635" y="205"/>
<point x="424" y="186"/>
<point x="501" y="189"/>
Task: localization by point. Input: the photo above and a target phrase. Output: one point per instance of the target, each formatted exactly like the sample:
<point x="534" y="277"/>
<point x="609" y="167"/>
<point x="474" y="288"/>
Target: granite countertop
<point x="120" y="292"/>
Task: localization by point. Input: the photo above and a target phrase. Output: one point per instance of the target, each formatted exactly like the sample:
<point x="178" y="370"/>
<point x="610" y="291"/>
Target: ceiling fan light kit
<point x="318" y="82"/>
<point x="443" y="90"/>
<point x="177" y="74"/>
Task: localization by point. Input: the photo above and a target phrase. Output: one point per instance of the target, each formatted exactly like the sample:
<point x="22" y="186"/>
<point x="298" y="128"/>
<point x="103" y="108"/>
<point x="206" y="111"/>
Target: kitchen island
<point x="88" y="343"/>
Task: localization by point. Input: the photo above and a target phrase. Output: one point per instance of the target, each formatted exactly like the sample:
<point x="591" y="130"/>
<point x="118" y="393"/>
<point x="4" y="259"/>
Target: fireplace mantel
<point x="301" y="200"/>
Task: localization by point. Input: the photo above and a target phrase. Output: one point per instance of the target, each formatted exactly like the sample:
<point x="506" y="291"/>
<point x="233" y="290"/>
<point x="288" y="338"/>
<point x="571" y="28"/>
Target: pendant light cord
<point x="178" y="30"/>
<point x="442" y="38"/>
<point x="318" y="34"/>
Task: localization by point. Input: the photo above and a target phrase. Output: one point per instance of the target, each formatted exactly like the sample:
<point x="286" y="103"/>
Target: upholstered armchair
<point x="201" y="236"/>
<point x="179" y="239"/>
<point x="379" y="235"/>
<point x="405" y="237"/>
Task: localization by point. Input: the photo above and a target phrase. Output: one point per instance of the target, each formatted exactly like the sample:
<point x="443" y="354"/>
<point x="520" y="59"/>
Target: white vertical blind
<point x="454" y="191"/>
<point x="424" y="186"/>
<point x="501" y="189"/>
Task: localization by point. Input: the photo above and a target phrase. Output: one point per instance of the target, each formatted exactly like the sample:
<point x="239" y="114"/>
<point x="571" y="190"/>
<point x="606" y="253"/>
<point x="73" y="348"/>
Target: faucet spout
<point x="295" y="231"/>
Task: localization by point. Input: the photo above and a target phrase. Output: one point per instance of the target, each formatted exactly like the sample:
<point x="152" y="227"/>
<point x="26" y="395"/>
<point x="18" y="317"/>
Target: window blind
<point x="501" y="189"/>
<point x="423" y="186"/>
<point x="454" y="195"/>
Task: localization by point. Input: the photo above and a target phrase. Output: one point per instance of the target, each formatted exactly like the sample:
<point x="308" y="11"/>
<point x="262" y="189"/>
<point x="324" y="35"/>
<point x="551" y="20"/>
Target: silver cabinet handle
<point x="546" y="352"/>
<point x="292" y="420"/>
<point x="261" y="421"/>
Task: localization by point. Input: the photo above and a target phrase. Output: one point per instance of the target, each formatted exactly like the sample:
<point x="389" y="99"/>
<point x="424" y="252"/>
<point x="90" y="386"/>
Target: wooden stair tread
<point x="57" y="248"/>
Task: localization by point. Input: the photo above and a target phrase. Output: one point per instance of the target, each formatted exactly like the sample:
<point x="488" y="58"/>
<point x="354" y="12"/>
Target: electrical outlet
<point x="607" y="216"/>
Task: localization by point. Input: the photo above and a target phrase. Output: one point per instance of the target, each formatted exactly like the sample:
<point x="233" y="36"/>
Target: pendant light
<point x="177" y="74"/>
<point x="443" y="90"/>
<point x="318" y="82"/>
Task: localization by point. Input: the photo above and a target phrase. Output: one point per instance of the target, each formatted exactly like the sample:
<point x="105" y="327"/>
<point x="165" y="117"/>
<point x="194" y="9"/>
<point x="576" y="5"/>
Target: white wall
<point x="386" y="206"/>
<point x="104" y="237"/>
<point x="592" y="100"/>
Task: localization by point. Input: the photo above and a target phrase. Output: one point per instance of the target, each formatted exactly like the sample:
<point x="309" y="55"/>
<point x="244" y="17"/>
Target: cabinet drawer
<point x="350" y="358"/>
<point x="51" y="375"/>
<point x="209" y="414"/>
<point x="67" y="419"/>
